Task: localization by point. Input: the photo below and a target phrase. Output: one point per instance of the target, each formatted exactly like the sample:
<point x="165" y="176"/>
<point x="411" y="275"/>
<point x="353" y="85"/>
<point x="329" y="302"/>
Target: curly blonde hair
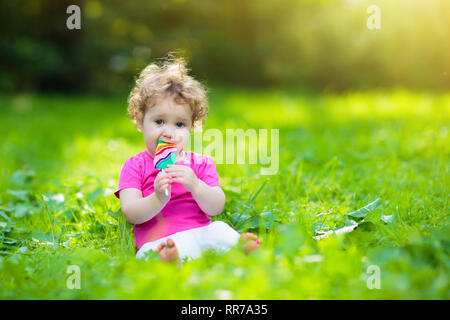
<point x="167" y="79"/>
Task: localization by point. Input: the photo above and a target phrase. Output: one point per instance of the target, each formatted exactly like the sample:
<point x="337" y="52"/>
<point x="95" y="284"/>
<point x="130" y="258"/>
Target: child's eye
<point x="180" y="124"/>
<point x="159" y="121"/>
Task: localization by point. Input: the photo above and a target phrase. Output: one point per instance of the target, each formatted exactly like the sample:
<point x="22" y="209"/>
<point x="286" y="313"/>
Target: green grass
<point x="387" y="150"/>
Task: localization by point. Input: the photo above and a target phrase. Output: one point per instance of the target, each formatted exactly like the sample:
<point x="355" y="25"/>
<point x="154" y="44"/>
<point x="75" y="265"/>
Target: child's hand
<point x="184" y="175"/>
<point x="162" y="182"/>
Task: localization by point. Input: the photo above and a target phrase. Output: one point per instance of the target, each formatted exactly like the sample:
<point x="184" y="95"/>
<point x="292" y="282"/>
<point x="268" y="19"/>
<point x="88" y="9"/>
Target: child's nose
<point x="168" y="134"/>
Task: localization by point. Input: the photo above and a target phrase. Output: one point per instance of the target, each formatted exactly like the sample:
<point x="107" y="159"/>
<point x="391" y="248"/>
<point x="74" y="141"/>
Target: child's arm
<point x="138" y="209"/>
<point x="210" y="199"/>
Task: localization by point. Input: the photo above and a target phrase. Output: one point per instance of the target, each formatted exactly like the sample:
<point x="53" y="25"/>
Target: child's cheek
<point x="181" y="140"/>
<point x="180" y="146"/>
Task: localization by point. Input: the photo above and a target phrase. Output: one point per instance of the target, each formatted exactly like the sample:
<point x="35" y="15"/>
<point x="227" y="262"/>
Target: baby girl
<point x="171" y="210"/>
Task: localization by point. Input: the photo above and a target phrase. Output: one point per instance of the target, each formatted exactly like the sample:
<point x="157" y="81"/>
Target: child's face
<point x="166" y="121"/>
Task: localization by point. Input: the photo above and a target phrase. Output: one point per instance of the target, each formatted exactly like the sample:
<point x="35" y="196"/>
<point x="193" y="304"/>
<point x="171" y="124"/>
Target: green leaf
<point x="21" y="178"/>
<point x="22" y="210"/>
<point x="243" y="219"/>
<point x="41" y="236"/>
<point x="115" y="214"/>
<point x="68" y="214"/>
<point x="253" y="223"/>
<point x="236" y="218"/>
<point x="361" y="213"/>
<point x="19" y="194"/>
<point x="4" y="215"/>
<point x="261" y="187"/>
<point x="320" y="228"/>
<point x="269" y="218"/>
<point x="387" y="219"/>
<point x="22" y="250"/>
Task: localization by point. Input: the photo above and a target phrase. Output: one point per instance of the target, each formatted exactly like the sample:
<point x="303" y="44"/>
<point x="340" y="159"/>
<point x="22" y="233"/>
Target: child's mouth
<point x="165" y="141"/>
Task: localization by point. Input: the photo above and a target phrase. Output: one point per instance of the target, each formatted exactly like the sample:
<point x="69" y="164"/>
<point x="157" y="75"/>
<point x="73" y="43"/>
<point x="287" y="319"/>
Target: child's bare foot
<point x="168" y="252"/>
<point x="250" y="242"/>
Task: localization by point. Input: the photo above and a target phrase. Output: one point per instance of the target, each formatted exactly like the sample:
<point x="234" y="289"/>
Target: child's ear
<point x="196" y="125"/>
<point x="139" y="123"/>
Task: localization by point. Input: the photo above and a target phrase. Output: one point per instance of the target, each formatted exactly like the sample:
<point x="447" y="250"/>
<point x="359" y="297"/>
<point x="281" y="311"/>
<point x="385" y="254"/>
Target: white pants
<point x="190" y="243"/>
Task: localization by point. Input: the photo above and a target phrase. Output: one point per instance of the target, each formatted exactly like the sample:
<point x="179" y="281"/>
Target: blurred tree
<point x="320" y="44"/>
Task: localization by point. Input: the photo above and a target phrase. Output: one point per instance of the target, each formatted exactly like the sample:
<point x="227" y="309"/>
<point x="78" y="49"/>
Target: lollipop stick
<point x="166" y="191"/>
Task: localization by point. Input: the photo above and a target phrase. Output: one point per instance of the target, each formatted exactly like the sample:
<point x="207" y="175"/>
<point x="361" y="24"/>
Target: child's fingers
<point x="162" y="174"/>
<point x="178" y="180"/>
<point x="164" y="185"/>
<point x="164" y="180"/>
<point x="175" y="168"/>
<point x="177" y="175"/>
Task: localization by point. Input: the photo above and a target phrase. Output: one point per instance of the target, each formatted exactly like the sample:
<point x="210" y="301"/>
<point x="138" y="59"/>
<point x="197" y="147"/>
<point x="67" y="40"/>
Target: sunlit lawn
<point x="60" y="157"/>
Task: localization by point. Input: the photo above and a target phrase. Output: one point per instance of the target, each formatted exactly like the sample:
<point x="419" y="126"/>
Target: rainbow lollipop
<point x="166" y="153"/>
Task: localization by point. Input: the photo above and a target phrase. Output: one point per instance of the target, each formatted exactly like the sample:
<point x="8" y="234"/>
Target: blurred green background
<point x="363" y="118"/>
<point x="319" y="44"/>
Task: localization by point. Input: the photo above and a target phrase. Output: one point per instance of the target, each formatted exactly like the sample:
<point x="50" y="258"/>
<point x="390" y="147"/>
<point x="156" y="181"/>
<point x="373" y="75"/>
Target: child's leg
<point x="187" y="245"/>
<point x="184" y="243"/>
<point x="218" y="236"/>
<point x="221" y="237"/>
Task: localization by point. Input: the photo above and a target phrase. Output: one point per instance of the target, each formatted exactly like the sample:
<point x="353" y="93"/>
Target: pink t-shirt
<point x="182" y="211"/>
